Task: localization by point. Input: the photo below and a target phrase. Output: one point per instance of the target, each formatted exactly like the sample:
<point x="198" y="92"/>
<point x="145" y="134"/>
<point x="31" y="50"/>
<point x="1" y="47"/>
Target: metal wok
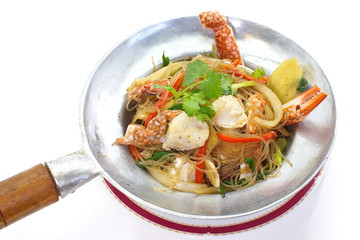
<point x="103" y="118"/>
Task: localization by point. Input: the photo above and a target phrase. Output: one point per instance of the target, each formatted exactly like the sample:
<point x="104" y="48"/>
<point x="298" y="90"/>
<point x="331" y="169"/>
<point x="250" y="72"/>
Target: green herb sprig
<point x="155" y="157"/>
<point x="165" y="59"/>
<point x="258" y="72"/>
<point x="302" y="85"/>
<point x="251" y="163"/>
<point x="201" y="85"/>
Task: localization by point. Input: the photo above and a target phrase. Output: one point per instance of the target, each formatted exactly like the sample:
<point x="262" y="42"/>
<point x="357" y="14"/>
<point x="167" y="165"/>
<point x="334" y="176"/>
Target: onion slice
<point x="274" y="102"/>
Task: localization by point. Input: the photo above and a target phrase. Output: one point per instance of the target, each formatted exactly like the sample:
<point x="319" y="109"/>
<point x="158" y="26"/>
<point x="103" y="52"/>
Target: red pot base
<point x="213" y="229"/>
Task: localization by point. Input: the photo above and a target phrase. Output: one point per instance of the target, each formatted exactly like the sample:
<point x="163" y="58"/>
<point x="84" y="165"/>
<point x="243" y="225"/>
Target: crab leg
<point x="224" y="37"/>
<point x="140" y="93"/>
<point x="298" y="108"/>
<point x="139" y="135"/>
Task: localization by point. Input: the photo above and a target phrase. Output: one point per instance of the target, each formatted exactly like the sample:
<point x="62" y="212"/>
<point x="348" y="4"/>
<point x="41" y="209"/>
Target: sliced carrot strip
<point x="266" y="136"/>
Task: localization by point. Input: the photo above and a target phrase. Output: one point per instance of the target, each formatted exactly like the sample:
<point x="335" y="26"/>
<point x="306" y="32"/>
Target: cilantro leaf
<point x="211" y="86"/>
<point x="195" y="97"/>
<point x="199" y="98"/>
<point x="190" y="106"/>
<point x="208" y="111"/>
<point x="258" y="72"/>
<point x="202" y="117"/>
<point x="166" y="60"/>
<point x="226" y="83"/>
<point x="302" y="85"/>
<point x="177" y="106"/>
<point x="194" y="70"/>
<point x="195" y="105"/>
<point x="251" y="163"/>
<point x="205" y="113"/>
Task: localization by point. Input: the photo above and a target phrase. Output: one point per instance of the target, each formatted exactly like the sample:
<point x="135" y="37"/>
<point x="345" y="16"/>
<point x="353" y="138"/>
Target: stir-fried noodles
<point x="236" y="156"/>
<point x="209" y="125"/>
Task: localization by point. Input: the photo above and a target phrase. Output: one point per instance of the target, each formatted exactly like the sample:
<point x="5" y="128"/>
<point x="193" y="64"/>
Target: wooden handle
<point x="25" y="193"/>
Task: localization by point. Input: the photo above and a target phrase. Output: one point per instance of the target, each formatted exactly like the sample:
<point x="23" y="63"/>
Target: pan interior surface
<point x="104" y="116"/>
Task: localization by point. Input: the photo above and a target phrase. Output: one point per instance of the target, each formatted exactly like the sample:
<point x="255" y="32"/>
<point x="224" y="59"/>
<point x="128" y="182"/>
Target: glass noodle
<point x="239" y="165"/>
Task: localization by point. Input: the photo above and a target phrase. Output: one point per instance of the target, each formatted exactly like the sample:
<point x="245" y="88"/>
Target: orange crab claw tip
<point x="309" y="97"/>
<point x="298" y="108"/>
<point x="310" y="93"/>
<point x="310" y="105"/>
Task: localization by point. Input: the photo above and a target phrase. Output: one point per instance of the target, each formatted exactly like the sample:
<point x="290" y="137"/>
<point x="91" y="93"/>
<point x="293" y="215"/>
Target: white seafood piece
<point x="185" y="133"/>
<point x="229" y="112"/>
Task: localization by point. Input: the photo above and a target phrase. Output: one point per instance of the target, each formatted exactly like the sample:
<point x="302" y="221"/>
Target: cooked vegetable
<point x="184" y="109"/>
<point x="258" y="72"/>
<point x="207" y="190"/>
<point x="302" y="85"/>
<point x="266" y="136"/>
<point x="241" y="181"/>
<point x="158" y="105"/>
<point x="134" y="152"/>
<point x="251" y="163"/>
<point x="280" y="145"/>
<point x="166" y="60"/>
<point x="196" y="96"/>
<point x="200" y="165"/>
<point x="213" y="139"/>
<point x="261" y="176"/>
<point x="155" y="157"/>
<point x="212" y="173"/>
<point x="163" y="100"/>
<point x="169" y="181"/>
<point x="243" y="72"/>
<point x="162" y="73"/>
<point x="285" y="79"/>
<point x="222" y="190"/>
<point x="275" y="104"/>
<point x="236" y="86"/>
<point x="216" y="95"/>
<point x="194" y="70"/>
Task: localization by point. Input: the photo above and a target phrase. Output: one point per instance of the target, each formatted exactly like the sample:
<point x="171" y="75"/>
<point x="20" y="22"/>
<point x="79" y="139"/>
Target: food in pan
<point x="210" y="124"/>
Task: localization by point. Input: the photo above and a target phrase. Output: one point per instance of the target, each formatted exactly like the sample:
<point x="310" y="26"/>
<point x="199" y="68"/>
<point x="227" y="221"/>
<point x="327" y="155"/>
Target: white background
<point x="49" y="48"/>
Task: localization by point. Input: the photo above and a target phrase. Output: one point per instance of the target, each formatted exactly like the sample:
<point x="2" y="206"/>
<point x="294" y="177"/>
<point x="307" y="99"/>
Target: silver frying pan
<point x="103" y="118"/>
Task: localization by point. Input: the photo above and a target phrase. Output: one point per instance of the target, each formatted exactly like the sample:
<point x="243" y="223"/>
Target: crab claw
<point x="298" y="108"/>
<point x="224" y="36"/>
